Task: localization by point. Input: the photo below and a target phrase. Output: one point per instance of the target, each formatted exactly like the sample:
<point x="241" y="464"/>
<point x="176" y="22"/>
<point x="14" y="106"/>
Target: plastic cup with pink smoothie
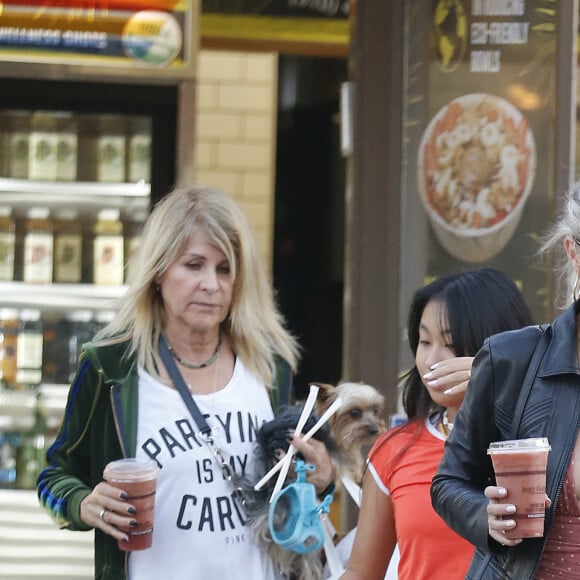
<point x="520" y="467"/>
<point x="138" y="479"/>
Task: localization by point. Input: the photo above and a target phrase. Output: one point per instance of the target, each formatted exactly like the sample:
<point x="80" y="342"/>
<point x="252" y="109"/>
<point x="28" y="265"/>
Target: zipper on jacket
<point x="122" y="445"/>
<point x="116" y="419"/>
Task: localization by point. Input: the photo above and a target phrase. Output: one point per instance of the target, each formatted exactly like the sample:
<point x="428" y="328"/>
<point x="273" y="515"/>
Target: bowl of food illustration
<point x="475" y="171"/>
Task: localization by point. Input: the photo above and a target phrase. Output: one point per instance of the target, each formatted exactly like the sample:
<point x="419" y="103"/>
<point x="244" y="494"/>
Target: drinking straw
<point x="323" y="419"/>
<point x="308" y="406"/>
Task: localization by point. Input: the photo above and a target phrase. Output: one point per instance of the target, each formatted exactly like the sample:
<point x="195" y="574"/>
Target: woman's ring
<point x="102" y="514"/>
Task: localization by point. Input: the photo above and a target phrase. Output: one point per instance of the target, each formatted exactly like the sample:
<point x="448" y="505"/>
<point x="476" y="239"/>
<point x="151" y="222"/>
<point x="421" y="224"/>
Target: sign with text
<point x="151" y="34"/>
<point x="484" y="161"/>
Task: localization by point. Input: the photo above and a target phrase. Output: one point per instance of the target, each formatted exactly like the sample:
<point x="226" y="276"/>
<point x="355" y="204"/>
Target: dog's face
<point x="360" y="420"/>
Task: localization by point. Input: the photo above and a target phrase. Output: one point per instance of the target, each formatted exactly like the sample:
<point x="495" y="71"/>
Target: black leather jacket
<point x="487" y="414"/>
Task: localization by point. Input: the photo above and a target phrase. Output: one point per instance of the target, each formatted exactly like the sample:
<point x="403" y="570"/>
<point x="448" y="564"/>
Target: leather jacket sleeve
<point x="465" y="470"/>
<point x="486" y="415"/>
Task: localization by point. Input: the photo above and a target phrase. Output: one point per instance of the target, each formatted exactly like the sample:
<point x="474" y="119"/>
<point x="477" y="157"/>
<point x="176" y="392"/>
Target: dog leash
<point x="354" y="490"/>
<point x="204" y="429"/>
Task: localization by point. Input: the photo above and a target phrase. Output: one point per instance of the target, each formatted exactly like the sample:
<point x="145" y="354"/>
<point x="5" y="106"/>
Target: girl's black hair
<point x="477" y="304"/>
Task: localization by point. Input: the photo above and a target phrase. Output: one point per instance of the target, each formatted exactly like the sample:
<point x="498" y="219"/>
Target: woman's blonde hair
<point x="254" y="325"/>
<point x="567" y="224"/>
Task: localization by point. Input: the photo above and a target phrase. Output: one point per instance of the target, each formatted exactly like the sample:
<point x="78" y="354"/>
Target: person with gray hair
<point x="564" y="232"/>
<point x="199" y="312"/>
<point x="524" y="384"/>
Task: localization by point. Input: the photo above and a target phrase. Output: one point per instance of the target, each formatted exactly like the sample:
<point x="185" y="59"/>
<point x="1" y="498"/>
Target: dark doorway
<point x="309" y="222"/>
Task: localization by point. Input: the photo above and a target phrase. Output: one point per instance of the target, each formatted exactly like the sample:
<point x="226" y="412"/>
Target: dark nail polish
<point x="125" y="540"/>
<point x="131" y="510"/>
<point x="133" y="523"/>
<point x="123" y="495"/>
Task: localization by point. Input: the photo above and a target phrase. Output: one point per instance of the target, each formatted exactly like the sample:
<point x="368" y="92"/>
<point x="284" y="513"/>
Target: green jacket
<point x="99" y="426"/>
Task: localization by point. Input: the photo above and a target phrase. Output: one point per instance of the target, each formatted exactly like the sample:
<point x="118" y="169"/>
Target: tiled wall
<point x="236" y="133"/>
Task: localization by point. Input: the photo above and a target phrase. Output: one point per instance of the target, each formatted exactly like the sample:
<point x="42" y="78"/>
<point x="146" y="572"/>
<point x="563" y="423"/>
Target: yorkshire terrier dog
<point x="355" y="426"/>
<point x="273" y="441"/>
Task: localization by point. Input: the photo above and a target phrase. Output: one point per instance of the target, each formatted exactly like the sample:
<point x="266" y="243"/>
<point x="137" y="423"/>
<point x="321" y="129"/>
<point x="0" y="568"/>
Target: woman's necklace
<point x="446" y="424"/>
<point x="193" y="390"/>
<point x="201" y="365"/>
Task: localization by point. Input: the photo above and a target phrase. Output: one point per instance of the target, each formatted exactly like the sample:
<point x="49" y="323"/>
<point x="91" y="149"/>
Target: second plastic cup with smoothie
<point x="520" y="467"/>
<point x="138" y="479"/>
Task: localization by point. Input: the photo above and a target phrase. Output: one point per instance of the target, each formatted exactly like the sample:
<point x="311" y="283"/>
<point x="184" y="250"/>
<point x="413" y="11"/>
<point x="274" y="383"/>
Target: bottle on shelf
<point x="7" y="244"/>
<point x="42" y="151"/>
<point x="111" y="143"/>
<point x="29" y="348"/>
<point x="81" y="329"/>
<point x="38" y="247"/>
<point x="68" y="247"/>
<point x="30" y="453"/>
<point x="66" y="147"/>
<point x="139" y="164"/>
<point x="9" y="326"/>
<point x="18" y="144"/>
<point x="55" y="336"/>
<point x="108" y="255"/>
<point x="8" y="446"/>
<point x="4" y="144"/>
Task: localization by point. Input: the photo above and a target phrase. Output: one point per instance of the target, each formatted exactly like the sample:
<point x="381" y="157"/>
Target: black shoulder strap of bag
<point x="537" y="356"/>
<point x="181" y="387"/>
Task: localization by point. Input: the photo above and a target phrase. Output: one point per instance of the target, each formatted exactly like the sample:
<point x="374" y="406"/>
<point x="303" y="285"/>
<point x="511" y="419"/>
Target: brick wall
<point x="236" y="133"/>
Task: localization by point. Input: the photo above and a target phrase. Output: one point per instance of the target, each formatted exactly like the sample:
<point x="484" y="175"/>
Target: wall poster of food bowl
<point x="475" y="169"/>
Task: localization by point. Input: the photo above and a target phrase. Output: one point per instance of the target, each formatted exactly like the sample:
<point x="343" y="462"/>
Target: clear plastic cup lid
<point x="131" y="469"/>
<point x="520" y="445"/>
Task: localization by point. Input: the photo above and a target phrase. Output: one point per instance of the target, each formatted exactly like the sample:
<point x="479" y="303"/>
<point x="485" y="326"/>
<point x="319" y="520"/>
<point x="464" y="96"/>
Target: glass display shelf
<point x="83" y="196"/>
<point x="59" y="297"/>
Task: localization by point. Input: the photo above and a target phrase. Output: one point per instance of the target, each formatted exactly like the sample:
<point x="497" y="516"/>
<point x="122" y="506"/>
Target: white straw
<point x="323" y="419"/>
<point x="308" y="406"/>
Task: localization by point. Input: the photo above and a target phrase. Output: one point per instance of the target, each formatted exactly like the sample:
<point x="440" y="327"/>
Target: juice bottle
<point x="9" y="325"/>
<point x="18" y="144"/>
<point x="42" y="151"/>
<point x="55" y="335"/>
<point x="38" y="247"/>
<point x="66" y="147"/>
<point x="111" y="149"/>
<point x="139" y="166"/>
<point x="7" y="244"/>
<point x="4" y="144"/>
<point x="30" y="454"/>
<point x="68" y="247"/>
<point x="108" y="254"/>
<point x="29" y="348"/>
<point x="81" y="330"/>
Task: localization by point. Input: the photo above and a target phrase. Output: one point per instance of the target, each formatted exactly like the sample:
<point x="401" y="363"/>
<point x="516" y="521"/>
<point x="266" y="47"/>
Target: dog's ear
<point x="326" y="396"/>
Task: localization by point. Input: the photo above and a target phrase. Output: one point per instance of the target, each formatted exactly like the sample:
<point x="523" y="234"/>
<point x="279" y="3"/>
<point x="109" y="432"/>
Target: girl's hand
<point x="106" y="508"/>
<point x="498" y="515"/>
<point x="450" y="375"/>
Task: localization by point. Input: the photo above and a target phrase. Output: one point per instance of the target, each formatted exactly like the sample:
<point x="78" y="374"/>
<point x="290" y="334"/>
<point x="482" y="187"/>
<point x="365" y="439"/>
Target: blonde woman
<point x="199" y="287"/>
